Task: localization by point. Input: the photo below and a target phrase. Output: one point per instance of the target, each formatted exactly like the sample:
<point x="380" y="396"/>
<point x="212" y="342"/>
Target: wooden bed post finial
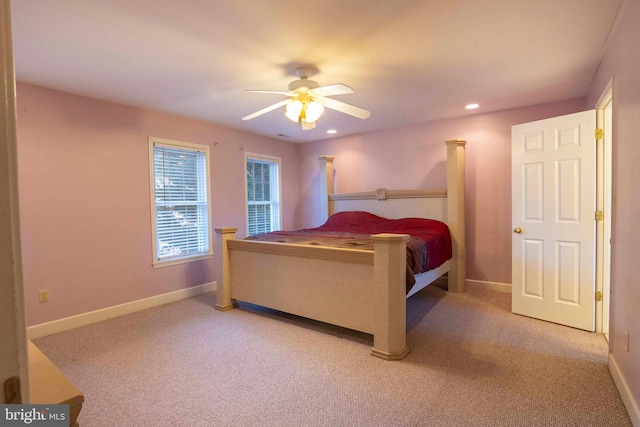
<point x="455" y="213"/>
<point x="326" y="186"/>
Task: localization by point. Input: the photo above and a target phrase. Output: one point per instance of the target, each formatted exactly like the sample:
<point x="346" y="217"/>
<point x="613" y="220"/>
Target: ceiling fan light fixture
<point x="313" y="111"/>
<point x="303" y="111"/>
<point x="293" y="111"/>
<point x="307" y="100"/>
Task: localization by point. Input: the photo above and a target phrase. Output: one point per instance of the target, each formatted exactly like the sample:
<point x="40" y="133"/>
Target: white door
<point x="553" y="197"/>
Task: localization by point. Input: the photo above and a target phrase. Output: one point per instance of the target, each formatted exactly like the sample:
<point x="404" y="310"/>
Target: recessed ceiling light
<point x="332" y="131"/>
<point x="471" y="106"/>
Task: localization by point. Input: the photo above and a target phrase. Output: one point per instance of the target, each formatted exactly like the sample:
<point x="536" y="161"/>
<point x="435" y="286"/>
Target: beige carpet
<point x="473" y="363"/>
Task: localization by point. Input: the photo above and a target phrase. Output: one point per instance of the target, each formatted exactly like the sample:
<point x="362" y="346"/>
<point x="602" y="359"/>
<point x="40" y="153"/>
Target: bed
<point x="358" y="289"/>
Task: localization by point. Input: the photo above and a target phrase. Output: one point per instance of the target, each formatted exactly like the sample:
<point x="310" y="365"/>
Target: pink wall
<point x="85" y="204"/>
<point x="415" y="157"/>
<point x="622" y="60"/>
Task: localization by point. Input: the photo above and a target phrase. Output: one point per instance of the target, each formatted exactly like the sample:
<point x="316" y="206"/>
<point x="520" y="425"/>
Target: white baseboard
<point x="489" y="286"/>
<point x="629" y="401"/>
<point x="84" y="319"/>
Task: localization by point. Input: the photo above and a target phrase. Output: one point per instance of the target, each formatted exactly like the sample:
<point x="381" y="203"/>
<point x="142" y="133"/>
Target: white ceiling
<point x="409" y="61"/>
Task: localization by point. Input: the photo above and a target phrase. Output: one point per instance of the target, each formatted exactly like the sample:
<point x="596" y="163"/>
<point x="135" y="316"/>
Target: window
<point x="263" y="193"/>
<point x="179" y="201"/>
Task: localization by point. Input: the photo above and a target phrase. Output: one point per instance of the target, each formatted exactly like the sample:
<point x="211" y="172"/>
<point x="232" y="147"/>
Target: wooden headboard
<point x="447" y="206"/>
<point x="393" y="203"/>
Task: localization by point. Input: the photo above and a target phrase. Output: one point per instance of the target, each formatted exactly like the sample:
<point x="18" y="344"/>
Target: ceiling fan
<point x="307" y="100"/>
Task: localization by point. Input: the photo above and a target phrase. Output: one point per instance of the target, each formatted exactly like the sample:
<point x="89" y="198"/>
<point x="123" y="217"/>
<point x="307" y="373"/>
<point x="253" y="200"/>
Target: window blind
<point x="263" y="195"/>
<point x="182" y="224"/>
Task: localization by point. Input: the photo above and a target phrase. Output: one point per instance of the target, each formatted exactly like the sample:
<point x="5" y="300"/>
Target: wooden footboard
<point x="355" y="289"/>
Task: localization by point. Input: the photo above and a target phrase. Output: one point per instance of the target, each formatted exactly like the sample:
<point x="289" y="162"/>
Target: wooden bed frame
<point x="355" y="289"/>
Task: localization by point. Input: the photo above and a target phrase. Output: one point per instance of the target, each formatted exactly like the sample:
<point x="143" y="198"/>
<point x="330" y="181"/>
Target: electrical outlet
<point x="44" y="295"/>
<point x="626" y="340"/>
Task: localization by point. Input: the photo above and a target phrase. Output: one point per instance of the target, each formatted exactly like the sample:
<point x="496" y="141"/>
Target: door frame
<point x="604" y="192"/>
<point x="14" y="360"/>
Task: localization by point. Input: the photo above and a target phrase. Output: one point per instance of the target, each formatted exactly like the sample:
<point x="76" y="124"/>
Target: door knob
<point x="517" y="230"/>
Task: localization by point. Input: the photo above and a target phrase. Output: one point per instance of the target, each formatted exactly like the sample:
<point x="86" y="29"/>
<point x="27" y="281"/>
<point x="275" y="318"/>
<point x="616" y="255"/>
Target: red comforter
<point x="435" y="234"/>
<point x="428" y="248"/>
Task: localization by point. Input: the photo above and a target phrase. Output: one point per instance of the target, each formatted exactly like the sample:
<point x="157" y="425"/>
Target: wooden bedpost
<point x="223" y="292"/>
<point x="326" y="186"/>
<point x="455" y="213"/>
<point x="389" y="287"/>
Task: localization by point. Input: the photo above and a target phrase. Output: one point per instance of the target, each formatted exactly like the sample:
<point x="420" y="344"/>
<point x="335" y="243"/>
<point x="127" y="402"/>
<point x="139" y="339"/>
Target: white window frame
<point x="187" y="146"/>
<point x="276" y="205"/>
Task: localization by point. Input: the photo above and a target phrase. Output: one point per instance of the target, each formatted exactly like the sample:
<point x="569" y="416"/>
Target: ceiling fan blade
<point x="308" y="126"/>
<point x="332" y="90"/>
<point x="272" y="91"/>
<point x="352" y="110"/>
<point x="266" y="110"/>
